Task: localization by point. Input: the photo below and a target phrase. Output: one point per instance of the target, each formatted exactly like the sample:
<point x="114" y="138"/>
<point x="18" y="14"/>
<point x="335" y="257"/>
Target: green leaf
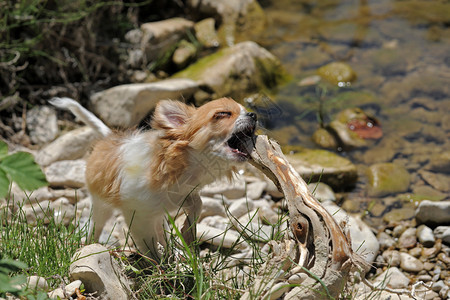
<point x="3" y="149"/>
<point x="22" y="169"/>
<point x="4" y="184"/>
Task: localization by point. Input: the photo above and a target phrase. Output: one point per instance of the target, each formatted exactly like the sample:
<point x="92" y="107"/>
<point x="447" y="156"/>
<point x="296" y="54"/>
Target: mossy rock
<point x="337" y="72"/>
<point x="316" y="165"/>
<point x="235" y="71"/>
<point x="387" y="178"/>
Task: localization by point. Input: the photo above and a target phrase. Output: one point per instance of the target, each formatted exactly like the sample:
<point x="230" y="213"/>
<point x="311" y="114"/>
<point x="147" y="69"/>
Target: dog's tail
<point x="82" y="113"/>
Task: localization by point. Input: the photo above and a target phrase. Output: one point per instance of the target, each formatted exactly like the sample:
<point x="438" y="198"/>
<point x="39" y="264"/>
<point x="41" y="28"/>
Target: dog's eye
<point x="222" y="114"/>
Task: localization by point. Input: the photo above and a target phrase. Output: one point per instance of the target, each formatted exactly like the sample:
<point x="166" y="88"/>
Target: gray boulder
<point x="126" y="105"/>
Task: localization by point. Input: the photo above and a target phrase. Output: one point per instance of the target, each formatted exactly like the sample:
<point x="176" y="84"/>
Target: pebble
<point x="398" y="230"/>
<point x="393" y="278"/>
<point x="240" y="207"/>
<point x="438" y="286"/>
<point x="392" y="258"/>
<point x="67" y="173"/>
<point x="234" y="190"/>
<point x="66" y="292"/>
<point x="385" y="240"/>
<point x="409" y="263"/>
<point x="425" y="236"/>
<point x="443" y="233"/>
<point x="433" y="213"/>
<point x="63" y="211"/>
<point x="256" y="189"/>
<point x="212" y="207"/>
<point x="322" y="191"/>
<point x="37" y="282"/>
<point x="408" y="238"/>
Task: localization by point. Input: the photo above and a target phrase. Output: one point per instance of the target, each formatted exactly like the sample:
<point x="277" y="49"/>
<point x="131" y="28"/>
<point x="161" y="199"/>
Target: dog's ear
<point x="171" y="114"/>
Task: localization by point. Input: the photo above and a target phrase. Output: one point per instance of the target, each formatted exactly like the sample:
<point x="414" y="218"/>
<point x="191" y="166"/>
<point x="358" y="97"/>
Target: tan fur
<point x="102" y="169"/>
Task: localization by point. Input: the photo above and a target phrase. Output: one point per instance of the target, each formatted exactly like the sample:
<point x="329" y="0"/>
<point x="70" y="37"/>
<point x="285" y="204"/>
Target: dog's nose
<point x="252" y="115"/>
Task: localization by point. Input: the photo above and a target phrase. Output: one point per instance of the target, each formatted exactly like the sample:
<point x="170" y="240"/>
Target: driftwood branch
<point x="315" y="260"/>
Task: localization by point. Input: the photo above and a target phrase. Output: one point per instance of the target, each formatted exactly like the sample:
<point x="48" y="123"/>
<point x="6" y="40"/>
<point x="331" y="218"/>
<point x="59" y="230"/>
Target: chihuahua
<point x="147" y="174"/>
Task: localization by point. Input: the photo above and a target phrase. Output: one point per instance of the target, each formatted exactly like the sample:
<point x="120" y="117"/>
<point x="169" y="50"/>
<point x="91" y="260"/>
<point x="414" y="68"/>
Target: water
<point x="400" y="52"/>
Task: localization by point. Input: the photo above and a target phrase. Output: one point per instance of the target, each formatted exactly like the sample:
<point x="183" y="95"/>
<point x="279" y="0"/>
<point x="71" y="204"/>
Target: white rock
<point x="393" y="278"/>
<point x="364" y="241"/>
<point x="443" y="233"/>
<point x="68" y="173"/>
<point x="425" y="236"/>
<point x="433" y="212"/>
<point x="322" y="192"/>
<point x="38" y="212"/>
<point x="216" y="222"/>
<point x="126" y="105"/>
<point x="37" y="282"/>
<point x="255" y="189"/>
<point x="233" y="190"/>
<point x="63" y="210"/>
<point x="72" y="145"/>
<point x="212" y="207"/>
<point x="99" y="273"/>
<point x="392" y="258"/>
<point x="266" y="214"/>
<point x="159" y="37"/>
<point x="251" y="226"/>
<point x="42" y="124"/>
<point x="217" y="237"/>
<point x="272" y="189"/>
<point x="409" y="263"/>
<point x="240" y="207"/>
<point x="65" y="292"/>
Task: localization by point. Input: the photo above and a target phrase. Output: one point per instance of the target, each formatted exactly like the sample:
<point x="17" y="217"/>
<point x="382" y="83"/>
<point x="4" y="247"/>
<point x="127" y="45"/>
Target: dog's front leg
<point x="192" y="208"/>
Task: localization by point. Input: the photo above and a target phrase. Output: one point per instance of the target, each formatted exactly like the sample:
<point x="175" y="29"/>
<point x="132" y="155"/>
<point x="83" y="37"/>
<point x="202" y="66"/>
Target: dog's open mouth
<point x="239" y="143"/>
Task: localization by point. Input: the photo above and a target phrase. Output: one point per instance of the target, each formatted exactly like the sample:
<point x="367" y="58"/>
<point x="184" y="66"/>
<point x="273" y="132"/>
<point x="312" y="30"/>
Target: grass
<point x="46" y="246"/>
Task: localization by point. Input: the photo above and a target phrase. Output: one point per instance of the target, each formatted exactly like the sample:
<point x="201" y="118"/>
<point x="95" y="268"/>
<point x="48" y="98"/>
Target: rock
<point x="439" y="162"/>
<point x="38" y="212"/>
<point x="72" y="145"/>
<point x="385" y="240"/>
<point x="443" y="233"/>
<point x="352" y="127"/>
<point x="63" y="211"/>
<point x="433" y="213"/>
<point x="425" y="236"/>
<point x="438" y="181"/>
<point x="408" y="238"/>
<point x="396" y="215"/>
<point x="37" y="283"/>
<point x="250" y="225"/>
<point x="392" y="258"/>
<point x="65" y="292"/>
<point x="387" y="178"/>
<point x="364" y="241"/>
<point x="126" y="105"/>
<point x="240" y="207"/>
<point x="218" y="222"/>
<point x="67" y="173"/>
<point x="267" y="215"/>
<point x="255" y="189"/>
<point x="244" y="17"/>
<point x="212" y="207"/>
<point x="235" y="71"/>
<point x="326" y="166"/>
<point x="184" y="54"/>
<point x="337" y="73"/>
<point x="438" y="286"/>
<point x="134" y="36"/>
<point x="322" y="192"/>
<point x="428" y="193"/>
<point x="162" y="36"/>
<point x="324" y="139"/>
<point x="206" y="34"/>
<point x="42" y="124"/>
<point x="220" y="238"/>
<point x="135" y="60"/>
<point x="233" y="190"/>
<point x="393" y="278"/>
<point x="100" y="273"/>
<point x="409" y="263"/>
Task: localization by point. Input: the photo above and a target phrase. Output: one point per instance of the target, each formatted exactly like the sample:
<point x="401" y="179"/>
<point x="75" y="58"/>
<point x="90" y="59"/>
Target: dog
<point x="147" y="174"/>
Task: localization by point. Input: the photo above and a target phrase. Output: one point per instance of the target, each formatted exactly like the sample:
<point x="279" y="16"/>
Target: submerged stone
<point x="387" y="178"/>
<point x="324" y="166"/>
<point x="337" y="73"/>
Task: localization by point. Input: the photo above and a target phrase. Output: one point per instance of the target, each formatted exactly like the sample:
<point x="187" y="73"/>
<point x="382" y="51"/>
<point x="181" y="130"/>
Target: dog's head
<point x="222" y="127"/>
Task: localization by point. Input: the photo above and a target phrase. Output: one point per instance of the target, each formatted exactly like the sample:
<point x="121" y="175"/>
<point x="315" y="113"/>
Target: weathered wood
<point x="315" y="260"/>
